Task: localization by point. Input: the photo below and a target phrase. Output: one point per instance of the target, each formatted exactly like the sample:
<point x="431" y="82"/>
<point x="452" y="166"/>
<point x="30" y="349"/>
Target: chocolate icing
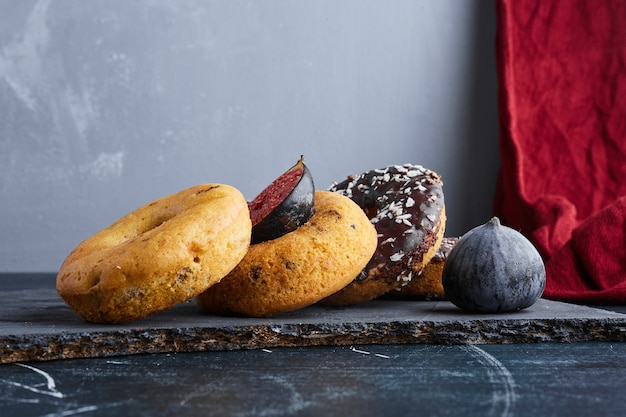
<point x="404" y="203"/>
<point x="444" y="249"/>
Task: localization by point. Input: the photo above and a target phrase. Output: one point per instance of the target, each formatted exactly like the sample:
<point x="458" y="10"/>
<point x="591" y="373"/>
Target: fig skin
<point x="493" y="269"/>
<point x="278" y="210"/>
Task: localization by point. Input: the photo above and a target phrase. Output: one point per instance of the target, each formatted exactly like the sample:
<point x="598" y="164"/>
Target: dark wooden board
<point x="36" y="325"/>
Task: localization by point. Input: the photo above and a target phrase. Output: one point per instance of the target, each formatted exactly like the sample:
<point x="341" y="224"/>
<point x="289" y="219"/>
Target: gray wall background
<point x="106" y="105"/>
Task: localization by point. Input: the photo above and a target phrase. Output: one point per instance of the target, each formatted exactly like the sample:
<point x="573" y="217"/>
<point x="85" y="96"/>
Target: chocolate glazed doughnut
<point x="405" y="203"/>
<point x="428" y="285"/>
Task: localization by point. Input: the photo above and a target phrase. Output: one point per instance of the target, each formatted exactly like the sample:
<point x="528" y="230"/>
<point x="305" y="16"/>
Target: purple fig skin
<point x="493" y="269"/>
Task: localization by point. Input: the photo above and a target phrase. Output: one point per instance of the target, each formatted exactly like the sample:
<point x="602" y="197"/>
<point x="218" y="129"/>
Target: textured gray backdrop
<point x="106" y="105"/>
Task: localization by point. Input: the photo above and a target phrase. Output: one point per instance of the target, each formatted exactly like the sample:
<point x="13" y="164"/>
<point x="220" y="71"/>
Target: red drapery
<point x="562" y="86"/>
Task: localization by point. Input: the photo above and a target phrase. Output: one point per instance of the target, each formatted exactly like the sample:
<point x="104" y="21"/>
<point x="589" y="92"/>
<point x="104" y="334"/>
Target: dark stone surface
<point x="35" y="324"/>
<point x="392" y="358"/>
<point x="538" y="379"/>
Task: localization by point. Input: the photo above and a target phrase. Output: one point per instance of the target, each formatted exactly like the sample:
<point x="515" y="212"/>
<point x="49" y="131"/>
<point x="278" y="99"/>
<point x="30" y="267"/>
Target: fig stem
<point x="495" y="221"/>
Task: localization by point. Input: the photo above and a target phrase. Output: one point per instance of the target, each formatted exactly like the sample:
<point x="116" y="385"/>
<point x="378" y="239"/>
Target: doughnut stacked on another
<point x="299" y="268"/>
<point x="405" y="203"/>
<point x="428" y="286"/>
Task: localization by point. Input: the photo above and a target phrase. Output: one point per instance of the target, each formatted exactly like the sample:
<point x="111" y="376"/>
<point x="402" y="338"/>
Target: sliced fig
<point x="284" y="205"/>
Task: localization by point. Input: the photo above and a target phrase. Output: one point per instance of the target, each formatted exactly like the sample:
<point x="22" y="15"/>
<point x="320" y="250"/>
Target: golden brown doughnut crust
<point x="360" y="291"/>
<point x="300" y="268"/>
<point x="428" y="286"/>
<point x="161" y="254"/>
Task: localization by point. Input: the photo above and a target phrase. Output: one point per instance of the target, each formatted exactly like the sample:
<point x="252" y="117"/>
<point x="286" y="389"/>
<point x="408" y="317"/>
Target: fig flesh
<point x="493" y="269"/>
<point x="284" y="205"/>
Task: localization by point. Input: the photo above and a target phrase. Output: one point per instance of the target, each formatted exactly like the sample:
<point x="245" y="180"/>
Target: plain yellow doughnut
<point x="299" y="268"/>
<point x="164" y="253"/>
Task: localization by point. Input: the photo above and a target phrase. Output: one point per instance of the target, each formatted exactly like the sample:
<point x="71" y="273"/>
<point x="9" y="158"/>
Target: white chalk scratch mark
<point x="500" y="377"/>
<point x="66" y="413"/>
<point x="105" y="165"/>
<point x="365" y="352"/>
<point x="82" y="109"/>
<point x="26" y="400"/>
<point x="362" y="352"/>
<point x="117" y="362"/>
<point x="123" y="65"/>
<point x="294" y="402"/>
<point x="20" y="61"/>
<point x="50" y="390"/>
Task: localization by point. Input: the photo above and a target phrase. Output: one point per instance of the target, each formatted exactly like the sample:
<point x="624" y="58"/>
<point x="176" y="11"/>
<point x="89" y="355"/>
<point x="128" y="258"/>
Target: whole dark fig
<point x="493" y="269"/>
<point x="284" y="205"/>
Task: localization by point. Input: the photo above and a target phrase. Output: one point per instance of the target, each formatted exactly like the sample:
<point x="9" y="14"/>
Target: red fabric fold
<point x="562" y="86"/>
